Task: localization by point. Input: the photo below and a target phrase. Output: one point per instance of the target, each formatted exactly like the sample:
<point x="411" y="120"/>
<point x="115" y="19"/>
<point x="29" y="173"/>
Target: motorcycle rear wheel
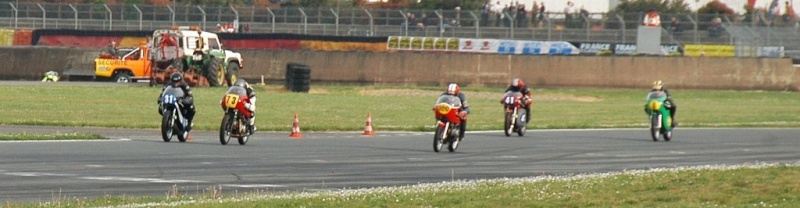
<point x="453" y="144"/>
<point x="521" y="123"/>
<point x="438" y="139"/>
<point x="667" y="135"/>
<point x="167" y="124"/>
<point x="225" y="129"/>
<point x="243" y="137"/>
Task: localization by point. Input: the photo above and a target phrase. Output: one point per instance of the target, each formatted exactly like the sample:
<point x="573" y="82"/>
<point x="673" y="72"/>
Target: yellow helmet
<point x="657" y="85"/>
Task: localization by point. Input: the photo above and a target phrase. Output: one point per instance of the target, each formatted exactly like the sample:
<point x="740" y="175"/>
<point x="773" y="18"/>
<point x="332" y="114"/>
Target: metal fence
<point x="550" y="26"/>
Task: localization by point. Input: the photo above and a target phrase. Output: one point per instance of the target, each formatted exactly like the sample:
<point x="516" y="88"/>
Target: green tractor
<point x="198" y="54"/>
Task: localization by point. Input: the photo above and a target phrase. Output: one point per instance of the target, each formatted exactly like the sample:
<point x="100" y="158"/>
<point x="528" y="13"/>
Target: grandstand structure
<point x="746" y="35"/>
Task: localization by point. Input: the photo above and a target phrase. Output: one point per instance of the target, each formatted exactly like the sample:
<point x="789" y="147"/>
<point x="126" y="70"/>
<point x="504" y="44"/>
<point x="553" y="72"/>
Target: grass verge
<point x="42" y="136"/>
<point x="344" y="108"/>
<point x="755" y="185"/>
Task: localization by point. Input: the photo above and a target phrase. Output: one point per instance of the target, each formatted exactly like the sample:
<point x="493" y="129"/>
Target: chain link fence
<point x="744" y="32"/>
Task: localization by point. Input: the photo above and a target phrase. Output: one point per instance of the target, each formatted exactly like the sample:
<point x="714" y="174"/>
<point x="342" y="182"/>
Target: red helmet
<point x="453" y="89"/>
<point x="516" y="82"/>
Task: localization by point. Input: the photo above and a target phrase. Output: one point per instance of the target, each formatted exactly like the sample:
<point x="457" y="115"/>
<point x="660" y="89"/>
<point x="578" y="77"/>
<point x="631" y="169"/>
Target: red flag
<point x="751" y="3"/>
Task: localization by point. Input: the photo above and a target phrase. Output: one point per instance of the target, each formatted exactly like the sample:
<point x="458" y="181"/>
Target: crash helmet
<point x="516" y="82"/>
<point x="240" y="83"/>
<point x="176" y="78"/>
<point x="657" y="85"/>
<point x="453" y="89"/>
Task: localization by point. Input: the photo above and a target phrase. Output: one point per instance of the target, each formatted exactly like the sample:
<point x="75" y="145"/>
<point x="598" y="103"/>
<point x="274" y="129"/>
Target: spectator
<point x="422" y="22"/>
<point x="675" y="26"/>
<point x="584" y="14"/>
<point x="773" y="10"/>
<point x="497" y="9"/>
<point x="485" y="10"/>
<point x="411" y="21"/>
<point x="716" y="29"/>
<point x="789" y="15"/>
<point x="534" y="12"/>
<point x="541" y="14"/>
<point x="220" y="29"/>
<point x="521" y="16"/>
<point x="230" y="28"/>
<point x="568" y="14"/>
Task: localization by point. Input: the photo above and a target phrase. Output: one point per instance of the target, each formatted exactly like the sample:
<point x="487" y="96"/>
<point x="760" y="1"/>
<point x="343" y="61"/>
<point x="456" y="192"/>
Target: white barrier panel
<point x="469" y="45"/>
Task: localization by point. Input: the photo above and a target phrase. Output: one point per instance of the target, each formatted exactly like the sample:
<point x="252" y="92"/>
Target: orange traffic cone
<point x="368" y="128"/>
<point x="296" y="128"/>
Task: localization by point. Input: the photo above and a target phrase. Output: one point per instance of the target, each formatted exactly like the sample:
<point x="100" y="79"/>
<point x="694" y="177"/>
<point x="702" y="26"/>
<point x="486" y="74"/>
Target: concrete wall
<point x="467" y="69"/>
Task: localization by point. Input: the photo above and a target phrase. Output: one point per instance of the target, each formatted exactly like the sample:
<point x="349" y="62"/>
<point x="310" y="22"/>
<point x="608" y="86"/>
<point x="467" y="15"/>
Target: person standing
<point x="568" y="14"/>
<point x="497" y="9"/>
<point x="541" y="14"/>
<point x="485" y="10"/>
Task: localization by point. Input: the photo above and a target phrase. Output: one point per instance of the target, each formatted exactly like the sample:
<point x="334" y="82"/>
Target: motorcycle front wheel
<point x="655" y="130"/>
<point x="225" y="129"/>
<point x="438" y="139"/>
<point x="509" y="124"/>
<point x="167" y="124"/>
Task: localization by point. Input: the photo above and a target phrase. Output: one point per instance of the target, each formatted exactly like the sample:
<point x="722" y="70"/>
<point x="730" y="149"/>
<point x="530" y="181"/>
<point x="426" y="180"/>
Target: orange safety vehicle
<point x="134" y="65"/>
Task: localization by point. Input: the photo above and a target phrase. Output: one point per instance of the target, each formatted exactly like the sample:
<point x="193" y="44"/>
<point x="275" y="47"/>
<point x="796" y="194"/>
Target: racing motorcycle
<point x="173" y="121"/>
<point x="515" y="114"/>
<point x="660" y="120"/>
<point x="234" y="122"/>
<point x="448" y="123"/>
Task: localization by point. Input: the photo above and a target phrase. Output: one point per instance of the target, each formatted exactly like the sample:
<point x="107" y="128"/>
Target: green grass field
<point x="345" y="108"/>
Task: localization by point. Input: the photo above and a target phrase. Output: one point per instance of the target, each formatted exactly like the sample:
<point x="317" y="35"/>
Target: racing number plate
<point x="443" y="108"/>
<point x="231" y="100"/>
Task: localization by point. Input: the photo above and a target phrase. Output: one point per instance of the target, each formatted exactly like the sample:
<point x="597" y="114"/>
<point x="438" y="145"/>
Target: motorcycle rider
<point x="517" y="85"/>
<point x="176" y="80"/>
<point x="454" y="89"/>
<point x="659" y="86"/>
<point x="251" y="105"/>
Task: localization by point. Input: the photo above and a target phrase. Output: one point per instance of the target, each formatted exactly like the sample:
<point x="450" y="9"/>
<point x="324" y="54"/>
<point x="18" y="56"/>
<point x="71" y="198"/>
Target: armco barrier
<point x="467" y="69"/>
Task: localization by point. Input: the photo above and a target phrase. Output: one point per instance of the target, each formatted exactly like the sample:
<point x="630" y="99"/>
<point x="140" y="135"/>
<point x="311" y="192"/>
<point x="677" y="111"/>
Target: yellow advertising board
<point x="695" y="50"/>
<point x="393" y="43"/>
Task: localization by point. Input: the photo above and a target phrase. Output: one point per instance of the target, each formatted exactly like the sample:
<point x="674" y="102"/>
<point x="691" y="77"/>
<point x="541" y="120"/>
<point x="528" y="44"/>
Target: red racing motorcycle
<point x="234" y="122"/>
<point x="448" y="122"/>
<point x="515" y="113"/>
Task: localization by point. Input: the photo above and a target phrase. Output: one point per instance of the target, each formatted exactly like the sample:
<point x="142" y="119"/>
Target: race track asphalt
<point x="138" y="163"/>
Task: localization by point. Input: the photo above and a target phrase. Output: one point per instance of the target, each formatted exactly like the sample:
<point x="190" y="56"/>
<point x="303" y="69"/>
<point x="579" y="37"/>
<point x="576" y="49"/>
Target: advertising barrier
<point x="623" y="49"/>
<point x="470" y="45"/>
<point x="770" y="51"/>
<point x="710" y="50"/>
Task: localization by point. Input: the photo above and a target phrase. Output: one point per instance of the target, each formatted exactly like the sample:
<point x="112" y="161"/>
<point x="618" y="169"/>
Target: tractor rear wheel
<point x="215" y="74"/>
<point x="232" y="73"/>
